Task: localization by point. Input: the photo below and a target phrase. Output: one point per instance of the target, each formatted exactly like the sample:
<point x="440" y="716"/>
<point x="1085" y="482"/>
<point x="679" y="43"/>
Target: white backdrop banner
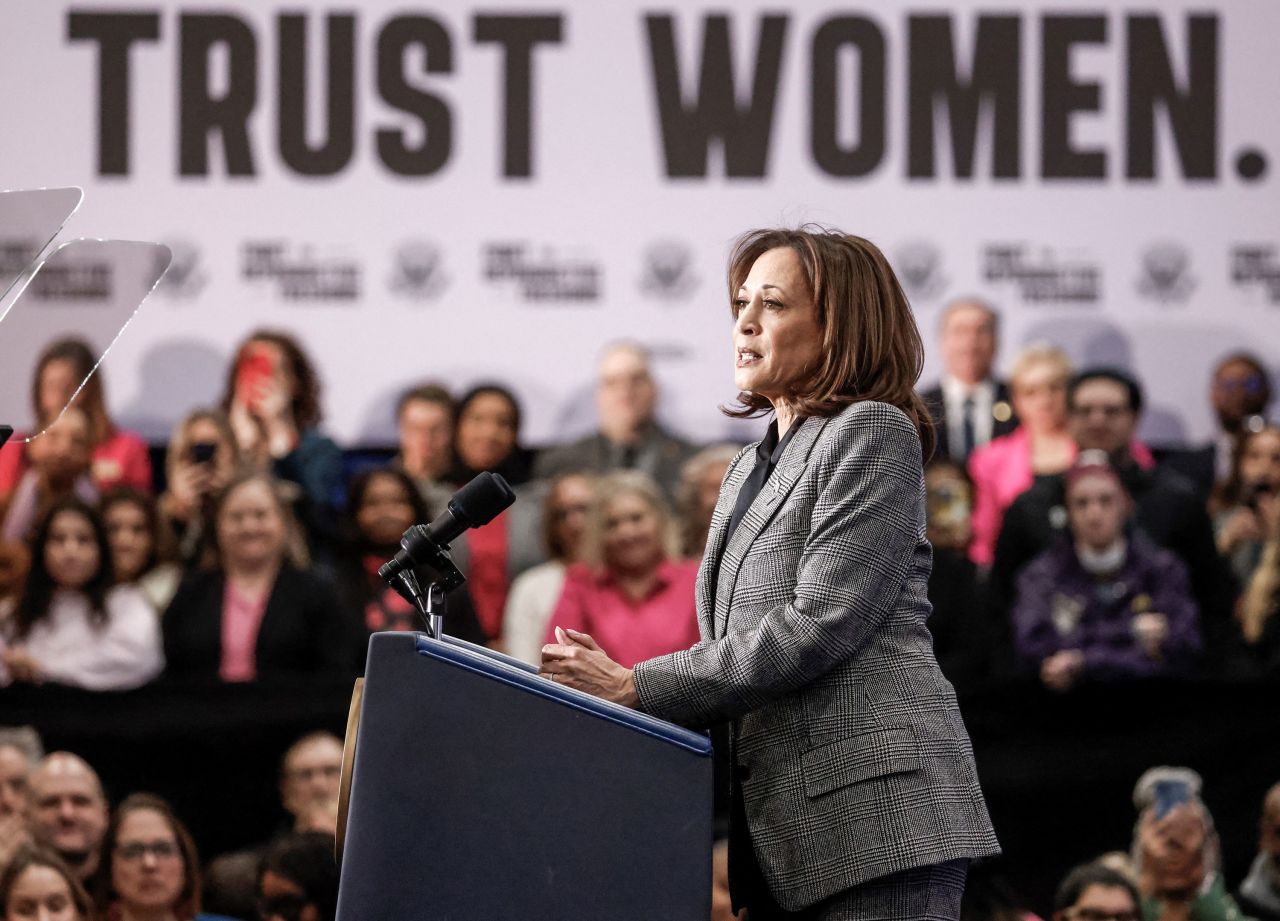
<point x="465" y="193"/>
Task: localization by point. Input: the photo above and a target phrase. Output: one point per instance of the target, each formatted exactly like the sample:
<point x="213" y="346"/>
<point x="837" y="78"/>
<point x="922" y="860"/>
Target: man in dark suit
<point x="969" y="406"/>
<point x="629" y="437"/>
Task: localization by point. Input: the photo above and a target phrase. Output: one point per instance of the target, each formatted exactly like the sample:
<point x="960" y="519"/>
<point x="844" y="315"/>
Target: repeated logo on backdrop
<point x="417" y="271"/>
<point x="1256" y="267"/>
<point x="668" y="271"/>
<point x="298" y="274"/>
<point x="1166" y="274"/>
<point x="185" y="278"/>
<point x="919" y="267"/>
<point x="544" y="276"/>
<point x="1043" y="277"/>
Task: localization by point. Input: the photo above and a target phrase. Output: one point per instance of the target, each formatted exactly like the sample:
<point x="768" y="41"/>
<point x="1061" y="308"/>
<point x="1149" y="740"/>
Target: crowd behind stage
<point x="1067" y="553"/>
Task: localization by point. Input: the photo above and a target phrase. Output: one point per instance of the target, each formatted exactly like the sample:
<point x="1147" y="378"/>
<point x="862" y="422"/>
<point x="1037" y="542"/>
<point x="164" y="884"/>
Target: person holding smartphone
<point x="203" y="456"/>
<point x="272" y="398"/>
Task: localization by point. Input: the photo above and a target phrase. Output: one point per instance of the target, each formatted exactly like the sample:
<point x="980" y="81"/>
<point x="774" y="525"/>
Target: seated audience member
<point x="272" y="399"/>
<point x="71" y="625"/>
<point x="969" y="406"/>
<point x="1259" y="894"/>
<point x="535" y="592"/>
<point x="118" y="457"/>
<point x="260" y="614"/>
<point x="1104" y="406"/>
<point x="486" y="439"/>
<point x="629" y="437"/>
<point x="1175" y="848"/>
<point x="15" y="560"/>
<point x="310" y="776"/>
<point x="700" y="480"/>
<point x="153" y="871"/>
<point x="963" y="640"/>
<point x="424" y="428"/>
<point x="20" y="752"/>
<point x="69" y="811"/>
<point x="1004" y="468"/>
<point x="59" y="468"/>
<point x="1245" y="503"/>
<point x="202" y="458"/>
<point x="630" y="594"/>
<point x="298" y="879"/>
<point x="382" y="503"/>
<point x="1094" y="892"/>
<point x="37" y="886"/>
<point x="140" y="545"/>
<point x="1105" y="603"/>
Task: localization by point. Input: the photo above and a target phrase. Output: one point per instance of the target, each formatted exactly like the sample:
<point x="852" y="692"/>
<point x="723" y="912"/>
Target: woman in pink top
<point x="630" y="593"/>
<point x="120" y="458"/>
<point x="1005" y="467"/>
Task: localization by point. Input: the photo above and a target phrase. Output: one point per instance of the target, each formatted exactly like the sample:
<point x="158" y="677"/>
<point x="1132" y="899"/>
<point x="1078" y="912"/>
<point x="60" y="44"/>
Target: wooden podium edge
<point x="348" y="763"/>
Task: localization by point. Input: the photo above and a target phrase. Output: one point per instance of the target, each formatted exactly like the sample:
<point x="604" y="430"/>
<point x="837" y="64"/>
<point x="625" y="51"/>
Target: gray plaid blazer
<point x="852" y="755"/>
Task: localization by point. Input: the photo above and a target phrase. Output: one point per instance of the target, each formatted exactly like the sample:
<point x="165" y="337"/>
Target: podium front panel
<point x="483" y="791"/>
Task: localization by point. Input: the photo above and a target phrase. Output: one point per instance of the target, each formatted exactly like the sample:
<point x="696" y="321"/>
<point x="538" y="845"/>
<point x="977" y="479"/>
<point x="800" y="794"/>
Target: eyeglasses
<point x="327" y="771"/>
<point x="1107" y="412"/>
<point x="1252" y="385"/>
<point x="136" y="850"/>
<point x="1097" y="914"/>
<point x="288" y="907"/>
<point x="565" y="512"/>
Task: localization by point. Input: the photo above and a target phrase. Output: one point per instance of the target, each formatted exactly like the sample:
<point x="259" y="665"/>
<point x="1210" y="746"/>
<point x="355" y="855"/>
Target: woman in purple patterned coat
<point x="1108" y="603"/>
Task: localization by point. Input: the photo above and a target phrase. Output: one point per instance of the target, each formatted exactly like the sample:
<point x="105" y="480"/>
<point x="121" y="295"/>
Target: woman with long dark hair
<point x="72" y="625"/>
<point x="854" y="789"/>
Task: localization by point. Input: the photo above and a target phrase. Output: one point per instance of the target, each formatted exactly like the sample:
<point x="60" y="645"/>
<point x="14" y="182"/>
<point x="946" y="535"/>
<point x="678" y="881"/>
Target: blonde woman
<point x="631" y="591"/>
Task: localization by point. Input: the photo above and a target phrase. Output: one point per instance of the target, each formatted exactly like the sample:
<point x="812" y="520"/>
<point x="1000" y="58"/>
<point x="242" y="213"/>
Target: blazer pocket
<point x="876" y="753"/>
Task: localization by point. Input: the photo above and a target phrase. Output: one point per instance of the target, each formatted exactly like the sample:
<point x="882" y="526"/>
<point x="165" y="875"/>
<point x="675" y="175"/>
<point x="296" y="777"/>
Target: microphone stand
<point x="431" y="604"/>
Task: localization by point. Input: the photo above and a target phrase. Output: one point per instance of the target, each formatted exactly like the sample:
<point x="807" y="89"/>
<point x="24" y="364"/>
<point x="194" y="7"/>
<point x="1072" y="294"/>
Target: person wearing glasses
<point x="153" y="871"/>
<point x="1095" y="892"/>
<point x="310" y="775"/>
<point x="1104" y="406"/>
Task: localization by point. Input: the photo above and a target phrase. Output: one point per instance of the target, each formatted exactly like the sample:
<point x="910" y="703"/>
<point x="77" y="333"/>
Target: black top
<point x="768" y="453"/>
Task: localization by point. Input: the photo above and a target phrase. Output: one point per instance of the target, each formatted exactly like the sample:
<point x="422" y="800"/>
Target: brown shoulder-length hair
<point x="29" y="856"/>
<point x="305" y="400"/>
<point x="187" y="905"/>
<point x="871" y="346"/>
<point x="91" y="396"/>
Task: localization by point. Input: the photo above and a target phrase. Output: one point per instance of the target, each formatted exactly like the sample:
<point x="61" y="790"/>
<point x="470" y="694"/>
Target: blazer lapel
<point x="761" y="512"/>
<point x="715" y="539"/>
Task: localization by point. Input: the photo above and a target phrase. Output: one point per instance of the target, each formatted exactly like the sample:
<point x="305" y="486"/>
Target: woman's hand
<point x="1241" y="525"/>
<point x="189" y="485"/>
<point x="1151" y="629"/>
<point x="579" y="662"/>
<point x="1060" y="670"/>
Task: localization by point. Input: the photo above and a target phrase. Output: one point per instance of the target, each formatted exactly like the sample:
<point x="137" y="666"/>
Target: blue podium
<point x="480" y="790"/>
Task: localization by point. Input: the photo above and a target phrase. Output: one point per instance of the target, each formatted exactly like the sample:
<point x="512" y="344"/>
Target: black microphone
<point x="477" y="503"/>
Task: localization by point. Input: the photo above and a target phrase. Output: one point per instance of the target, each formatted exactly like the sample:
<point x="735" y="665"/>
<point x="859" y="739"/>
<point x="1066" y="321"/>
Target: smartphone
<point x="202" y="452"/>
<point x="256" y="366"/>
<point x="1170" y="794"/>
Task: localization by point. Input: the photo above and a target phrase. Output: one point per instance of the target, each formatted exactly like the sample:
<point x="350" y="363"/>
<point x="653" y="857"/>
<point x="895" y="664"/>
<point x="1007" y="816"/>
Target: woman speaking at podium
<point x="854" y="794"/>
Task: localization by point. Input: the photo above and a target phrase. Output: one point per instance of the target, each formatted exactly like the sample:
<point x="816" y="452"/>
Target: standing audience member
<point x="1095" y="892"/>
<point x="37" y="886"/>
<point x="1104" y="407"/>
<point x="969" y="405"/>
<point x="486" y="438"/>
<point x="631" y="593"/>
<point x="629" y="437"/>
<point x="153" y="871"/>
<point x="383" y="503"/>
<point x="71" y="625"/>
<point x="260" y="614"/>
<point x="1243" y="502"/>
<point x="1255" y="649"/>
<point x="69" y="811"/>
<point x="310" y="776"/>
<point x="118" y="457"/>
<point x="1176" y="853"/>
<point x="700" y="480"/>
<point x="60" y="460"/>
<point x="424" y="428"/>
<point x="202" y="458"/>
<point x="20" y="752"/>
<point x="1005" y="467"/>
<point x="535" y="592"/>
<point x="141" y="548"/>
<point x="1106" y="603"/>
<point x="1240" y="393"/>
<point x="298" y="880"/>
<point x="272" y="399"/>
<point x="1259" y="894"/>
